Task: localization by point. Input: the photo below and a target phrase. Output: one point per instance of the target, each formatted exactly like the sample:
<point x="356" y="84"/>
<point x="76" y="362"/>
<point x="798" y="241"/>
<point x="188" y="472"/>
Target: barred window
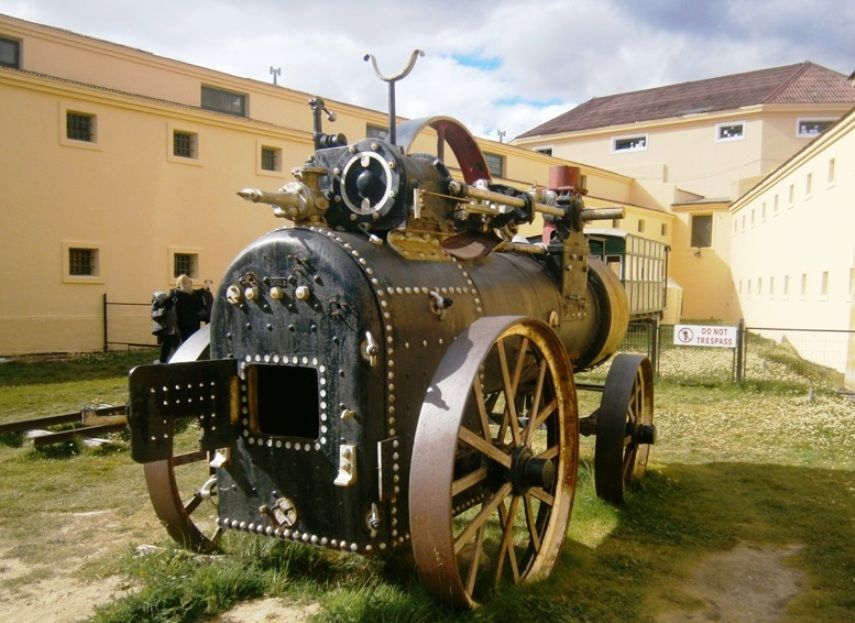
<point x="184" y="144"/>
<point x="80" y="126"/>
<point x="10" y="53"/>
<point x="495" y="164"/>
<point x="82" y="262"/>
<point x="730" y="132"/>
<point x="185" y="264"/>
<point x="629" y="143"/>
<point x="271" y="159"/>
<point x="224" y="101"/>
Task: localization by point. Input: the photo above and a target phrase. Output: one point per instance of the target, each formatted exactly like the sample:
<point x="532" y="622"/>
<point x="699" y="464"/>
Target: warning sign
<point x="705" y="335"/>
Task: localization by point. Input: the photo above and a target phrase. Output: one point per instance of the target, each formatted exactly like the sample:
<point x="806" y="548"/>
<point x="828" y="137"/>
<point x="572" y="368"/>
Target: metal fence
<point x="795" y="356"/>
<point x="127" y="325"/>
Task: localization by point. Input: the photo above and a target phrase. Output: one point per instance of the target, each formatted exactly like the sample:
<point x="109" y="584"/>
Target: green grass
<point x="760" y="464"/>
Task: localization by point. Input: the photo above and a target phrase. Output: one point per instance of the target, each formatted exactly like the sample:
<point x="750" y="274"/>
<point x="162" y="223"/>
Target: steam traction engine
<point x="392" y="372"/>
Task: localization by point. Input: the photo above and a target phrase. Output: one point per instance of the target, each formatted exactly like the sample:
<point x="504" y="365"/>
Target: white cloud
<point x="557" y="51"/>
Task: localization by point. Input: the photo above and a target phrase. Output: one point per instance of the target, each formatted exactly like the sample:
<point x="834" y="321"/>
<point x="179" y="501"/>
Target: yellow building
<point x="120" y="169"/>
<point x="697" y="146"/>
<point x="793" y="249"/>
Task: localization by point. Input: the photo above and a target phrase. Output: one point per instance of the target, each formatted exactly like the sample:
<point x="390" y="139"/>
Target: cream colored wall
<point x="685" y="151"/>
<point x="812" y="235"/>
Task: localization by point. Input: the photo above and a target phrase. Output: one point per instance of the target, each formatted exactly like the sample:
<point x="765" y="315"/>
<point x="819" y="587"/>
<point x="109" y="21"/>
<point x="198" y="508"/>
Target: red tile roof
<point x="803" y="83"/>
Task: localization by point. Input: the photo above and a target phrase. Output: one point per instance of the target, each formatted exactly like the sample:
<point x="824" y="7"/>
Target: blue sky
<point x="495" y="65"/>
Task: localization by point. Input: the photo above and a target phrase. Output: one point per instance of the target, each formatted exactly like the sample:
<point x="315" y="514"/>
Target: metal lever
<point x="392" y="80"/>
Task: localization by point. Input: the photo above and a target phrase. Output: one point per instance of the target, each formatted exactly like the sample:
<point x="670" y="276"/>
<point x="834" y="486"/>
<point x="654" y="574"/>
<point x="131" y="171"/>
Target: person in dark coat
<point x="165" y="324"/>
<point x="189" y="307"/>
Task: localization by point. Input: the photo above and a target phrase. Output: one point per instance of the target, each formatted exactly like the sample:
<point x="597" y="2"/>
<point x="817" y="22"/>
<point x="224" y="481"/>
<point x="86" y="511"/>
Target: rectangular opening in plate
<point x="283" y="401"/>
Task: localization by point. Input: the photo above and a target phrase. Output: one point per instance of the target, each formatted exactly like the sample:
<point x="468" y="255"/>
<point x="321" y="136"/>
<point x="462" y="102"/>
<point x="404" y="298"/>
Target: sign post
<point x="715" y="336"/>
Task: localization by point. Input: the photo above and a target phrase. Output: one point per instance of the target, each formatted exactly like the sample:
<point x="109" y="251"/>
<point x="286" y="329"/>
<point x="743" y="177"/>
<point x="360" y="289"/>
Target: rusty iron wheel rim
<point x="627" y="404"/>
<point x="176" y="509"/>
<point x="478" y="516"/>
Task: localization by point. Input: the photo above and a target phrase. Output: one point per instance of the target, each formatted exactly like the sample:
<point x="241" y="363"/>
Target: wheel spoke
<point x="506" y="519"/>
<point x="535" y="405"/>
<point x="549" y="453"/>
<point x="469" y="480"/>
<point x="482" y="408"/>
<point x="542" y="495"/>
<point x="530" y="521"/>
<point x="476" y="559"/>
<point x="484" y="447"/>
<point x="482" y="516"/>
<point x="510" y="394"/>
<point x="188" y="457"/>
<point x="193" y="503"/>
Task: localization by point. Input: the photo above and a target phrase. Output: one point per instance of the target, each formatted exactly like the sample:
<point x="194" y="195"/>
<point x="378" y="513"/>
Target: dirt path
<point x="747" y="583"/>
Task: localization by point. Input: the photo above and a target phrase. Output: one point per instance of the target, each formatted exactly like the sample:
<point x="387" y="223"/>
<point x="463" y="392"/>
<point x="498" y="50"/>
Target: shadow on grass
<point x="680" y="515"/>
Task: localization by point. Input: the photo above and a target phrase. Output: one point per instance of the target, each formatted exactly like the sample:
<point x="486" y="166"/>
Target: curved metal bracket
<point x="413" y="58"/>
<point x="391" y="80"/>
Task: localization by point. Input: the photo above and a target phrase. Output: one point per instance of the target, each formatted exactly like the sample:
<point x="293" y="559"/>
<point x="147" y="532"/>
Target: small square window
<point x="810" y="128"/>
<point x="701" y="230"/>
<point x="185" y="264"/>
<point x="376" y="131"/>
<point x="730" y="132"/>
<point x="495" y="164"/>
<point x="10" y="53"/>
<point x="271" y="158"/>
<point x="224" y="101"/>
<point x="629" y="143"/>
<point x="184" y="144"/>
<point x="83" y="262"/>
<point x="80" y="126"/>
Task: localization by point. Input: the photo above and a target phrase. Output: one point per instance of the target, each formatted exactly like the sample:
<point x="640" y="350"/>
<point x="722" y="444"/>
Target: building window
<point x="808" y="183"/>
<point x="185" y="144"/>
<point x="831" y="171"/>
<point x="271" y="158"/>
<point x="376" y="131"/>
<point x="629" y="143"/>
<point x="495" y="164"/>
<point x="664" y="229"/>
<point x="83" y="262"/>
<point x="759" y="285"/>
<point x="771" y="286"/>
<point x="809" y="128"/>
<point x="748" y="284"/>
<point x="803" y="291"/>
<point x="10" y="53"/>
<point x="786" y="285"/>
<point x="730" y="132"/>
<point x="80" y="126"/>
<point x="775" y="204"/>
<point x="823" y="289"/>
<point x="743" y="222"/>
<point x="616" y="223"/>
<point x="752" y="217"/>
<point x="224" y="101"/>
<point x="735" y="225"/>
<point x="185" y="264"/>
<point x="641" y="226"/>
<point x="792" y="195"/>
<point x="763" y="211"/>
<point x="702" y="230"/>
<point x="546" y="151"/>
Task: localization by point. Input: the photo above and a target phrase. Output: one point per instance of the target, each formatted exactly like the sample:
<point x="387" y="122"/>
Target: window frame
<point x="729" y="139"/>
<point x="545" y="151"/>
<point x="211" y="89"/>
<point x="16" y="44"/>
<point x="628" y="137"/>
<point x="171" y="129"/>
<point x="192" y="144"/>
<point x="372" y="130"/>
<point x="73" y="245"/>
<point x="68" y="108"/>
<point x="502" y="164"/>
<point x="692" y="218"/>
<point x="801" y="120"/>
<point x="181" y="250"/>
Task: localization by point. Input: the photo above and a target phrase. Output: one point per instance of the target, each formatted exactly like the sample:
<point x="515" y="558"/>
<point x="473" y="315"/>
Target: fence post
<point x="740" y="351"/>
<point x="654" y="350"/>
<point x="104" y="308"/>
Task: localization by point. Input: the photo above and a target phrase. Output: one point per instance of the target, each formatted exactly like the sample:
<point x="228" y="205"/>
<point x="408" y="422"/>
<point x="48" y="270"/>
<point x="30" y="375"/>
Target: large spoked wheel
<point x="625" y="428"/>
<point x="183" y="488"/>
<point x="494" y="461"/>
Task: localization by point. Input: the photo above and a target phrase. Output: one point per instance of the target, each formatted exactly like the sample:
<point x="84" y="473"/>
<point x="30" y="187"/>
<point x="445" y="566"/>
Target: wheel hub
<point x="527" y="471"/>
